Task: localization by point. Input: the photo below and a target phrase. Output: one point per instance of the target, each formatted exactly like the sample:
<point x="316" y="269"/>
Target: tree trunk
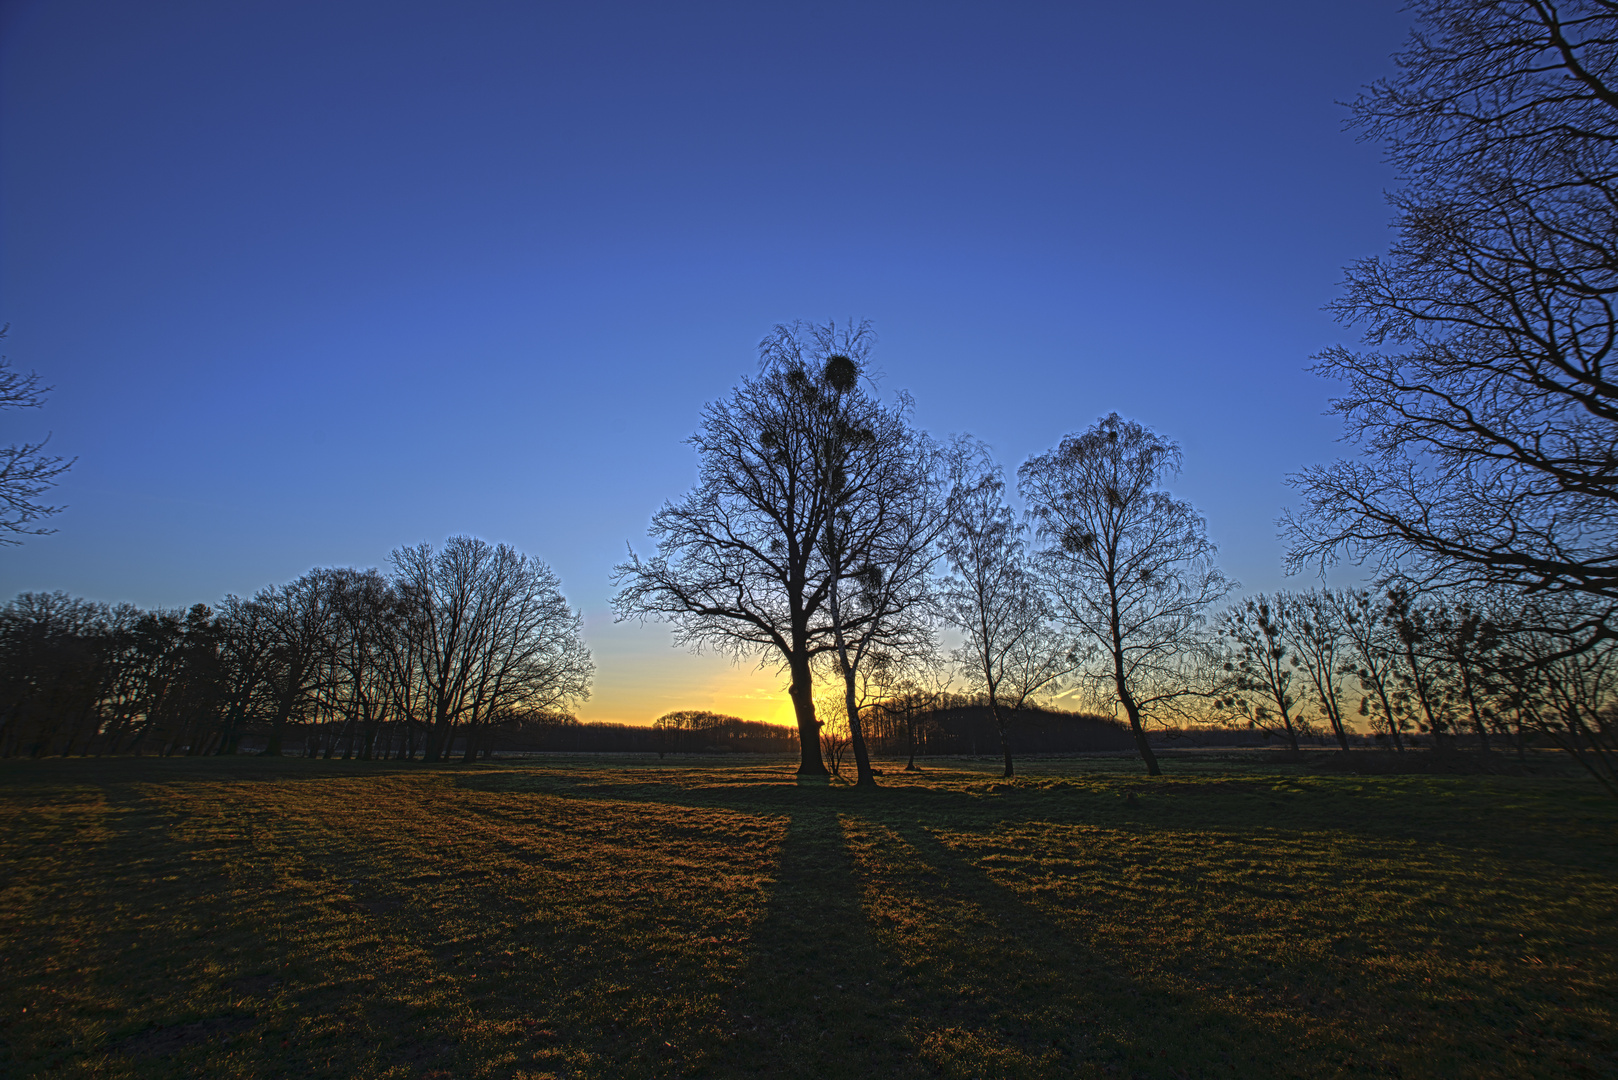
<point x="802" y="692"/>
<point x="1000" y="727"/>
<point x="1393" y="721"/>
<point x="369" y="719"/>
<point x="1142" y="743"/>
<point x="856" y="732"/>
<point x="1132" y="710"/>
<point x="1472" y="705"/>
<point x="910" y="738"/>
<point x="440" y="738"/>
<point x="1292" y="732"/>
<point x="864" y="777"/>
<point x="273" y="748"/>
<point x="1336" y="719"/>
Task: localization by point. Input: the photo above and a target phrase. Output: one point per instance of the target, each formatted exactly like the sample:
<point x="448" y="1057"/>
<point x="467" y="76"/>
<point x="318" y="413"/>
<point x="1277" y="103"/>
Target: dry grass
<point x="622" y="919"/>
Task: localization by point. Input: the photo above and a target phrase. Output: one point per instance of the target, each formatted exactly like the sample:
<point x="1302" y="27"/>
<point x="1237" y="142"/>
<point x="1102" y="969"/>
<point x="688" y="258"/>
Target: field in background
<point x="625" y="918"/>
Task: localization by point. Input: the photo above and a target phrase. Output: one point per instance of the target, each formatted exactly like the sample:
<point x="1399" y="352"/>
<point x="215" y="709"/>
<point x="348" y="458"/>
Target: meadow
<point x="625" y="917"/>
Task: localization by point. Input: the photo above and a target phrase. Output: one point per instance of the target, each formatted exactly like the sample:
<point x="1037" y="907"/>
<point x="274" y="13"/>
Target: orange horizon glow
<point x="640" y="677"/>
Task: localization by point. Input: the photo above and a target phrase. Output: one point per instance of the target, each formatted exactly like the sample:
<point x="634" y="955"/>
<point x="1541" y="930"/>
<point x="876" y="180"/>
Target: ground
<point x="629" y="917"/>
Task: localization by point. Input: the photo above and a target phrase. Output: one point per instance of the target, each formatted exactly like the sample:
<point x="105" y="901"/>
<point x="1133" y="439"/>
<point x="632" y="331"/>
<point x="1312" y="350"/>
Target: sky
<point x="314" y="281"/>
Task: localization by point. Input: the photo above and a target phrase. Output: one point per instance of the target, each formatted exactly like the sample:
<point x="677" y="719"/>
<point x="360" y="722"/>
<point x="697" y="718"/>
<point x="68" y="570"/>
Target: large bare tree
<point x="1125" y="563"/>
<point x="1484" y="399"/>
<point x="793" y="511"/>
<point x="889" y="508"/>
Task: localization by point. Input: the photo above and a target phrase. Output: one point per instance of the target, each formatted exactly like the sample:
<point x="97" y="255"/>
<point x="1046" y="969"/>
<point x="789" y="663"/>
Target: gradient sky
<point x="314" y="281"/>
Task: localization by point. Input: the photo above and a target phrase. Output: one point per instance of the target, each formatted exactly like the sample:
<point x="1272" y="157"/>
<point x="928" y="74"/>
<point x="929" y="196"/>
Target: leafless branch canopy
<point x="1485" y="400"/>
<point x="27" y="472"/>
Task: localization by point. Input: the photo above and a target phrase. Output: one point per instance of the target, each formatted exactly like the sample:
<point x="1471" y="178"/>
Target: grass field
<point x="600" y="918"/>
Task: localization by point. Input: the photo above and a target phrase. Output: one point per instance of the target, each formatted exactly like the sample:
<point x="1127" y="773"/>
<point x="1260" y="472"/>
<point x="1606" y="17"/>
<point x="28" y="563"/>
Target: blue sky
<point x="313" y="281"/>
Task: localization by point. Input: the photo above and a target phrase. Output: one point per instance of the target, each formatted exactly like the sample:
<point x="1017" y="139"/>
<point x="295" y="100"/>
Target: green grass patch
<point x="631" y="918"/>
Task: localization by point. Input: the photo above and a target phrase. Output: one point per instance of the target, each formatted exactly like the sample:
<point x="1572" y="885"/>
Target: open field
<point x="596" y="918"/>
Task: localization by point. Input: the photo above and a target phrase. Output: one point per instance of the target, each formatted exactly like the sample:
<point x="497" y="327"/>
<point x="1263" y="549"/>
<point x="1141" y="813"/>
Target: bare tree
<point x="490" y="632"/>
<point x="879" y="547"/>
<point x="1414" y="625"/>
<point x="1569" y="696"/>
<point x="1484" y="401"/>
<point x="1259" y="665"/>
<point x="834" y="738"/>
<point x="1318" y="643"/>
<point x="906" y="687"/>
<point x="367" y="607"/>
<point x="1372" y="657"/>
<point x="750" y="561"/>
<point x="1010" y="652"/>
<point x="447" y="616"/>
<point x="1463" y="637"/>
<point x="533" y="659"/>
<point x="300" y="623"/>
<point x="58" y="657"/>
<point x="1126" y="564"/>
<point x="247" y="651"/>
<point x="27" y="472"/>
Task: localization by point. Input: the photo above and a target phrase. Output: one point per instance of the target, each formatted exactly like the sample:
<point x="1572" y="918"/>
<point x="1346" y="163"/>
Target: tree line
<point x="1492" y="668"/>
<point x="451" y="644"/>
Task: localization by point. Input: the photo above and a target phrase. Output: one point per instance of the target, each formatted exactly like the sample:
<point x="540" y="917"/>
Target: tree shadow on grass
<point x="1454" y="812"/>
<point x="1003" y="989"/>
<point x="884" y="952"/>
<point x="811" y="1000"/>
<point x="888" y="949"/>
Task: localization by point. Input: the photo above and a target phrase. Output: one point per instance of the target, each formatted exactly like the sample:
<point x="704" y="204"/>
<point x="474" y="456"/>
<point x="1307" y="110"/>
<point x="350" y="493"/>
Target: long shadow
<point x="1552" y="837"/>
<point x="811" y="999"/>
<point x="1000" y="990"/>
<point x="1045" y="1001"/>
<point x="1041" y="997"/>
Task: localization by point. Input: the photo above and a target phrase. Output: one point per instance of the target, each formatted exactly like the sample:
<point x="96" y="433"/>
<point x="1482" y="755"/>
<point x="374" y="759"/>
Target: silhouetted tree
<point x="368" y="619"/>
<point x="246" y="653"/>
<point x="906" y="687"/>
<point x="1413" y="619"/>
<point x="492" y="635"/>
<point x="991" y="595"/>
<point x="1484" y="401"/>
<point x="888" y="508"/>
<point x="1564" y="694"/>
<point x="1373" y="658"/>
<point x="300" y="621"/>
<point x="56" y="653"/>
<point x="744" y="562"/>
<point x="26" y="471"/>
<point x="1317" y="638"/>
<point x="1462" y="637"/>
<point x="1257" y="673"/>
<point x="1126" y="564"/>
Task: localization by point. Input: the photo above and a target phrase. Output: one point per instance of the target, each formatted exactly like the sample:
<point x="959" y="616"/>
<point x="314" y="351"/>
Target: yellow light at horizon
<point x="639" y="678"/>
